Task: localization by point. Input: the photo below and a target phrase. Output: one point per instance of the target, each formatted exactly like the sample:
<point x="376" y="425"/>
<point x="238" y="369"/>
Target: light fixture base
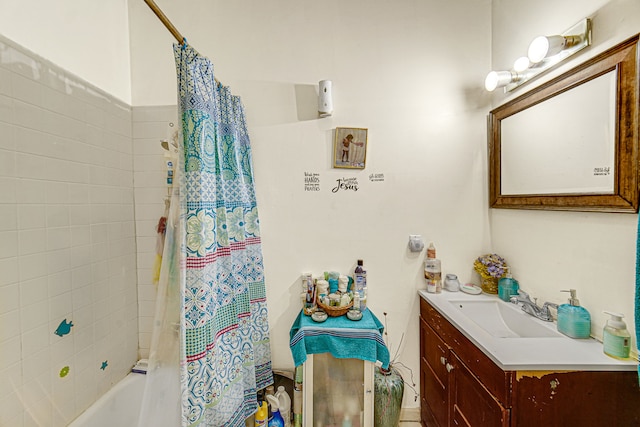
<point x="579" y="35"/>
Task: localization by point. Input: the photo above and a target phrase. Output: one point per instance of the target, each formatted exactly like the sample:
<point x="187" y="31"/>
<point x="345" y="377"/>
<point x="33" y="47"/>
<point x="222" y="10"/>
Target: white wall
<point x="88" y="38"/>
<point x="549" y="251"/>
<point x="409" y="71"/>
<point x="67" y="241"/>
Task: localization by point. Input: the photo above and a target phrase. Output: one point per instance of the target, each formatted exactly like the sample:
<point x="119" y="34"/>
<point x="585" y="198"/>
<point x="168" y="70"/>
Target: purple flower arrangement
<point x="490" y="265"/>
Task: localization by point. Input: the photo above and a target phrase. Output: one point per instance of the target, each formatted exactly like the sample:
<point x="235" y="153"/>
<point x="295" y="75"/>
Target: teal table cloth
<point x="343" y="338"/>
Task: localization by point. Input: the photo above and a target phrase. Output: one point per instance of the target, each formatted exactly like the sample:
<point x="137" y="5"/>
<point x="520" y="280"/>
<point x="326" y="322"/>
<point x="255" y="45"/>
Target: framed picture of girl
<point x="350" y="148"/>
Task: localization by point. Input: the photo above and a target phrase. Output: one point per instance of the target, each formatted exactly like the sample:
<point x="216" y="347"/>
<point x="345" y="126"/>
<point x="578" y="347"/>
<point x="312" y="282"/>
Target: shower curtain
<point x="212" y="281"/>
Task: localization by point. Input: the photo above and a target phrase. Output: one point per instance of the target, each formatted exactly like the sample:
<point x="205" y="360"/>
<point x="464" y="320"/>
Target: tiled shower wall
<point x="67" y="241"/>
<point x="151" y="125"/>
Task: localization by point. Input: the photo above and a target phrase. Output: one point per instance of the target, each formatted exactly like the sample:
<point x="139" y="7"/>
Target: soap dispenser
<point x="507" y="287"/>
<point x="616" y="337"/>
<point x="573" y="319"/>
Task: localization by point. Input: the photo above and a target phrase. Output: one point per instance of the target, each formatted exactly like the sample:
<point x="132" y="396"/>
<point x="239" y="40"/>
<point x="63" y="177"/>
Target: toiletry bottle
<point x="309" y="291"/>
<point x="615" y="336"/>
<point x="507" y="287"/>
<point x="360" y="277"/>
<point x="363" y="299"/>
<point x="269" y="391"/>
<point x="284" y="404"/>
<point x="574" y="320"/>
<point x="297" y="397"/>
<point x="433" y="271"/>
<point x="261" y="415"/>
<point x="276" y="420"/>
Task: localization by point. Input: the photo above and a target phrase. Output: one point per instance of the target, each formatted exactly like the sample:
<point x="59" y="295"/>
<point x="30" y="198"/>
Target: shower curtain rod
<point x="172" y="29"/>
<point x="160" y="14"/>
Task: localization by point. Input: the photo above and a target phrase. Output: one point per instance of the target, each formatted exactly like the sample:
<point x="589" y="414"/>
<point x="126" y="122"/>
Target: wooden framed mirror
<point x="571" y="143"/>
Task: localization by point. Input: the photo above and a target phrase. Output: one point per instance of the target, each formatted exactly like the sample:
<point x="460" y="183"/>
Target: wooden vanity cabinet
<point x="452" y="393"/>
<point x="461" y="386"/>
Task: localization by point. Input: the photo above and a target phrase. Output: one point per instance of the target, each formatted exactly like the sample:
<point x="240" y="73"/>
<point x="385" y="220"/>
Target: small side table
<point x="338" y="359"/>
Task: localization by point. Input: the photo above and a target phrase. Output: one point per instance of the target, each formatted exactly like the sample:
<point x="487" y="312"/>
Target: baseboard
<point x="410" y="414"/>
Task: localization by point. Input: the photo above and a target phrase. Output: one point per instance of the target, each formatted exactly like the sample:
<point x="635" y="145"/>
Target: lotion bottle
<point x="433" y="271"/>
<point x="615" y="336"/>
<point x="360" y="277"/>
<point x="574" y="320"/>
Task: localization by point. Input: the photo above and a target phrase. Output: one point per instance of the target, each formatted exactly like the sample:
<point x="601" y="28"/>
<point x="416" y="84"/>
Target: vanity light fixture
<point x="496" y="79"/>
<point x="521" y="64"/>
<point x="544" y="52"/>
<point x="546" y="46"/>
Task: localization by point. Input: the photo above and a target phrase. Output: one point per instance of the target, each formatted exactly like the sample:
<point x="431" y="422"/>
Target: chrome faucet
<point x="530" y="307"/>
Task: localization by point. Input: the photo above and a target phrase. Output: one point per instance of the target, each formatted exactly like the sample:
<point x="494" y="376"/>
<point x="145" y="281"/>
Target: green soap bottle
<point x="615" y="337"/>
<point x="574" y="320"/>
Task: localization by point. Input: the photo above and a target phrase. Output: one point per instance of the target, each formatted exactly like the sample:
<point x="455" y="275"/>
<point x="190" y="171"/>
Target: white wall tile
<point x="59" y="283"/>
<point x="58" y="260"/>
<point x="34" y="341"/>
<point x="27" y="115"/>
<point x="34" y="315"/>
<point x="9" y="215"/>
<point x="80" y="256"/>
<point x="7" y="163"/>
<point x="5" y="82"/>
<point x="31" y="191"/>
<point x="80" y="215"/>
<point x="57" y="215"/>
<point x="62" y="239"/>
<point x="54" y="100"/>
<point x="8" y="133"/>
<point x="26" y="89"/>
<point x="10" y="374"/>
<point x="60" y="308"/>
<point x="81" y="276"/>
<point x="7" y="109"/>
<point x="82" y="297"/>
<point x="34" y="290"/>
<point x="8" y="244"/>
<point x="31" y="216"/>
<point x="78" y="193"/>
<point x="10" y="271"/>
<point x="32" y="241"/>
<point x="57" y="193"/>
<point x="58" y="238"/>
<point x="80" y="235"/>
<point x="10" y="325"/>
<point x="11" y="412"/>
<point x="61" y="349"/>
<point x="9" y="298"/>
<point x="8" y="186"/>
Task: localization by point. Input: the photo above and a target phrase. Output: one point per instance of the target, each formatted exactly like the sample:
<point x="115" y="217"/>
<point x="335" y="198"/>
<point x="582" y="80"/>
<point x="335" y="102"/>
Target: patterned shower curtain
<point x="225" y="355"/>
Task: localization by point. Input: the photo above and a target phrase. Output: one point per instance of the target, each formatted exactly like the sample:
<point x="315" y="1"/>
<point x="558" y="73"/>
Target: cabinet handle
<point x="443" y="360"/>
<point x="449" y="367"/>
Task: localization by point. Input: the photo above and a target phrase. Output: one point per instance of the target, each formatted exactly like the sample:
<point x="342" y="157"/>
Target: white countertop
<point x="526" y="354"/>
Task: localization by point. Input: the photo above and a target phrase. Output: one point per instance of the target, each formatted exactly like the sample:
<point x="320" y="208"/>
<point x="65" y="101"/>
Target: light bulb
<point x="521" y="64"/>
<point x="497" y="79"/>
<point x="542" y="47"/>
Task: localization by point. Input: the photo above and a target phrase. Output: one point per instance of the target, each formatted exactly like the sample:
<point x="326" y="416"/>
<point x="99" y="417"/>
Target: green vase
<point x="387" y="400"/>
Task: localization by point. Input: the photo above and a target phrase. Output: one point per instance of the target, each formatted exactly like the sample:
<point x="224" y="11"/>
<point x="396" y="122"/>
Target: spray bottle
<point x="276" y="420"/>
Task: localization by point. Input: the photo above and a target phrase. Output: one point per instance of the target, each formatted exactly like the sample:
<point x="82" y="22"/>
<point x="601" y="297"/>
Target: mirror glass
<point x="572" y="143"/>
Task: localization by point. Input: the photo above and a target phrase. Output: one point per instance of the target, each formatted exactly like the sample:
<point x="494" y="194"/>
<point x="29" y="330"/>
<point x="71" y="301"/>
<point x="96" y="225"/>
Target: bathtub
<point x="120" y="406"/>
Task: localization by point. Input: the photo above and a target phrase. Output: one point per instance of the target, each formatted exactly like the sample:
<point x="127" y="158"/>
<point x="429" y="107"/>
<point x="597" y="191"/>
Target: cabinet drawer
<point x="497" y="381"/>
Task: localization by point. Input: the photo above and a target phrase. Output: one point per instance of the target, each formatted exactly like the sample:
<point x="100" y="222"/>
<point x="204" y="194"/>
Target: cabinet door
<point x="434" y="377"/>
<point x="471" y="403"/>
<point x="336" y="390"/>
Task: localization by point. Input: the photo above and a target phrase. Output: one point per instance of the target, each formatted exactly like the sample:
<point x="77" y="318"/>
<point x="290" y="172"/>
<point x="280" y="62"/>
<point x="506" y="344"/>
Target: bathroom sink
<point x="504" y="320"/>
